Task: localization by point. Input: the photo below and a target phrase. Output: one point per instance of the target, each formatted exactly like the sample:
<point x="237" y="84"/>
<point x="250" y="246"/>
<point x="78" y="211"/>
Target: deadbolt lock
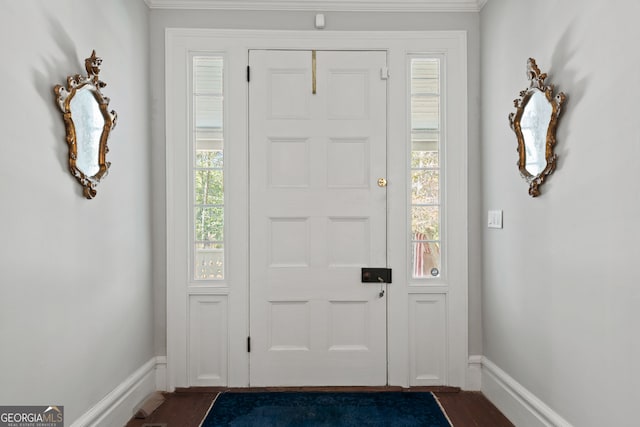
<point x="382" y="182"/>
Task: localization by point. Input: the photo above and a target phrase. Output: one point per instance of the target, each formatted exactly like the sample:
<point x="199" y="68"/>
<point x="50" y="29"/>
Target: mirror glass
<point x="534" y="125"/>
<point x="534" y="122"/>
<point x="88" y="122"/>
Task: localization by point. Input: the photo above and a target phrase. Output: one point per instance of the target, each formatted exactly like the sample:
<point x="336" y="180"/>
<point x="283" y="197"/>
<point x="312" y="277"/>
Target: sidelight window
<point x="207" y="194"/>
<point x="426" y="166"/>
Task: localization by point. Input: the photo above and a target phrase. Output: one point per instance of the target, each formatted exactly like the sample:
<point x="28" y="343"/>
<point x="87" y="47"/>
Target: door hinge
<point x="384" y="73"/>
<point x="248" y="344"/>
<point x="248" y="73"/>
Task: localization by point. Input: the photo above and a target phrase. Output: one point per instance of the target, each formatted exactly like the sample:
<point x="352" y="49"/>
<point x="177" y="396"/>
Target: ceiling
<point x="325" y="5"/>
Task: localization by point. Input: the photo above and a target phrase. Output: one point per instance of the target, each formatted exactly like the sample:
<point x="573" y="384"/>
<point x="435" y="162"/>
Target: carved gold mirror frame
<point x="88" y="123"/>
<point x="535" y="122"/>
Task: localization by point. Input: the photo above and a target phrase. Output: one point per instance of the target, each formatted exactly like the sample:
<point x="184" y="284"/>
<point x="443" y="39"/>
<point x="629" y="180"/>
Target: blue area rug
<point x="325" y="409"/>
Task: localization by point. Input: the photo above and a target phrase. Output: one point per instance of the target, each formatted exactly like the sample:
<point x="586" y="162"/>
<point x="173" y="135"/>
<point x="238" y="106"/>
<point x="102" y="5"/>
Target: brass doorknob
<point x="382" y="182"/>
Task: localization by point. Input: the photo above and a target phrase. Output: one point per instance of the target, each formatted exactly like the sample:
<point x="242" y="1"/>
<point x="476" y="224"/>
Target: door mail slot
<point x="376" y="275"/>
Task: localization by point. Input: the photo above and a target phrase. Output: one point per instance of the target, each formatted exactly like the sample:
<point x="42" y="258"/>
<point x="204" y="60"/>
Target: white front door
<point x="317" y="216"/>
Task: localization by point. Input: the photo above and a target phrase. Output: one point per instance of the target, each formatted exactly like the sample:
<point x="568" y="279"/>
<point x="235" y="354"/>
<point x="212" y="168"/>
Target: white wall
<point x="161" y="19"/>
<point x="76" y="313"/>
<point x="561" y="285"/>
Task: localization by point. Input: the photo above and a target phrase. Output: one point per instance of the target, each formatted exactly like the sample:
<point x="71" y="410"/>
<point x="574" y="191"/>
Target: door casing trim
<point x="234" y="45"/>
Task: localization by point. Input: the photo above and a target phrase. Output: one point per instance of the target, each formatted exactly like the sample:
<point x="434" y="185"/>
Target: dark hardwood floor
<point x="187" y="407"/>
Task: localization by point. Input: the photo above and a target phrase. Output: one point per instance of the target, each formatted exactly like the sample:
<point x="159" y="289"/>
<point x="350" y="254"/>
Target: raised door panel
<point x="207" y="340"/>
<point x="428" y="339"/>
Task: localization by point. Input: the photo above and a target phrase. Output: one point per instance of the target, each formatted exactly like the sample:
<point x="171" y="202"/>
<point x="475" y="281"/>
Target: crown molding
<point x="324" y="5"/>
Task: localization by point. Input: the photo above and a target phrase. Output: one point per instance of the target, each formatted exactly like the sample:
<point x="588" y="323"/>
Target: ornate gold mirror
<point x="88" y="123"/>
<point x="535" y="122"/>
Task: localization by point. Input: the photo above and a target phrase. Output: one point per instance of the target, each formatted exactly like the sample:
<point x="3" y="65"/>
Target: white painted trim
<point x="517" y="403"/>
<point x="117" y="407"/>
<point x="161" y="373"/>
<point x="324" y="5"/>
<point x="474" y="373"/>
<point x="179" y="42"/>
<point x="172" y="316"/>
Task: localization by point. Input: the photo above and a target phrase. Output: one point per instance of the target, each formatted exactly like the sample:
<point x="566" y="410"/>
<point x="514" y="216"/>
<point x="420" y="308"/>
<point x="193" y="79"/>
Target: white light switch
<point x="494" y="219"/>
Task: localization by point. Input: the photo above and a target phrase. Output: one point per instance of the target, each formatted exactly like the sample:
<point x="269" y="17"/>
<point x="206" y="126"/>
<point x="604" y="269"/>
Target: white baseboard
<point x="474" y="373"/>
<point x="516" y="402"/>
<point x="117" y="408"/>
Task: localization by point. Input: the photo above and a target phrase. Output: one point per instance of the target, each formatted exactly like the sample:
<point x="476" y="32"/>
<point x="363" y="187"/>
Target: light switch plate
<point x="494" y="219"/>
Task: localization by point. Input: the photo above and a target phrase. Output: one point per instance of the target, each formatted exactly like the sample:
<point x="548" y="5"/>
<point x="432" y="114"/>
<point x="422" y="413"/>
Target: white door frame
<point x="448" y="293"/>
